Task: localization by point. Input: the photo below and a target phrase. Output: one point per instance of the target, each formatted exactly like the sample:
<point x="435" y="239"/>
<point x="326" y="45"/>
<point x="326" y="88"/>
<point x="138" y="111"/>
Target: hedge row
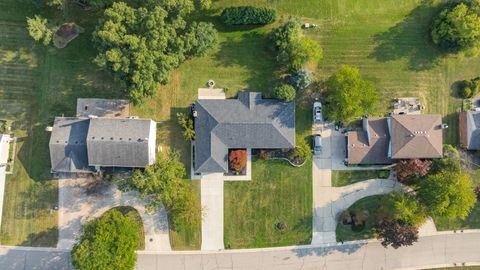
<point x="248" y="15"/>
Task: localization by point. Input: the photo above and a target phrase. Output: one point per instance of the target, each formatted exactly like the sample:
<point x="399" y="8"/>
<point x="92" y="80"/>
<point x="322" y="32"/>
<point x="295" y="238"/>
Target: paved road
<point x="432" y="251"/>
<point x="212" y="211"/>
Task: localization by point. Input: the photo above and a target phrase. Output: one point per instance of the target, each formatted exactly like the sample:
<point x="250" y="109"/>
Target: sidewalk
<point x="212" y="211"/>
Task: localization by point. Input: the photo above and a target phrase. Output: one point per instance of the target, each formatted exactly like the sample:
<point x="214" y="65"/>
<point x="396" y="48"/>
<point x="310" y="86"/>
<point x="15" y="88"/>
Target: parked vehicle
<point x="317" y="145"/>
<point x="317" y="112"/>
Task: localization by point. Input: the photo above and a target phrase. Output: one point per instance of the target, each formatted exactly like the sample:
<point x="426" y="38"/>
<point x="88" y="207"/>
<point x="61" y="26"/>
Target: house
<point x="87" y="144"/>
<point x="470" y="130"/>
<point x="248" y="122"/>
<point x="383" y="140"/>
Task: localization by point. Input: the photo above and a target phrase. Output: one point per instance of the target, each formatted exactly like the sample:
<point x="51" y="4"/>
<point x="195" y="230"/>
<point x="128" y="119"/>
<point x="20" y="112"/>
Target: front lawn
<point x="344" y="178"/>
<point x="371" y="205"/>
<point x="278" y="193"/>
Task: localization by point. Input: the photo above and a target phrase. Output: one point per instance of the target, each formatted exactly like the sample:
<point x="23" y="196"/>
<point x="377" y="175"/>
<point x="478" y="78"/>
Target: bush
<point x="238" y="160"/>
<point x="302" y="151"/>
<point x="465" y="92"/>
<point x="301" y="80"/>
<point x="187" y="124"/>
<point x="284" y="92"/>
<point x="457" y="27"/>
<point x="108" y="242"/>
<point x="469" y="88"/>
<point x="248" y="15"/>
<point x="303" y="51"/>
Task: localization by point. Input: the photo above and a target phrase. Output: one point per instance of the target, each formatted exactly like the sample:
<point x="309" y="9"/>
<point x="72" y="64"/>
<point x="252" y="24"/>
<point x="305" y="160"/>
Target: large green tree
<point x="404" y="207"/>
<point x="142" y="45"/>
<point x="162" y="184"/>
<point x="447" y="194"/>
<point x="108" y="242"/>
<point x="458" y="27"/>
<point x="349" y="96"/>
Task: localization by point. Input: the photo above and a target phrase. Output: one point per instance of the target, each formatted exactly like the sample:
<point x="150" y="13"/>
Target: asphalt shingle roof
<point x="246" y="122"/>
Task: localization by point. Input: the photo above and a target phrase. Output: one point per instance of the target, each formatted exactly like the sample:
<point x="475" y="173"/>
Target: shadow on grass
<point x="410" y="39"/>
<point x="46" y="238"/>
<point x="451" y="134"/>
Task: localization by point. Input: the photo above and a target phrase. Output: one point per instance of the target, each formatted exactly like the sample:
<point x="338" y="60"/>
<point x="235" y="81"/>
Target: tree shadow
<point x="46" y="238"/>
<point x="410" y="39"/>
<point x="347" y="248"/>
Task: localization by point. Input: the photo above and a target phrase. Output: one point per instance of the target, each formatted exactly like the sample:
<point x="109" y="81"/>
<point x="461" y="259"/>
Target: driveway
<point x="212" y="211"/>
<point x="82" y="199"/>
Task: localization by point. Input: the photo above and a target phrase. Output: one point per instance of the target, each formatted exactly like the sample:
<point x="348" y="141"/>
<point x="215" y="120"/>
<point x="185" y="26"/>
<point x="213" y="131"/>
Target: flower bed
<point x="284" y="154"/>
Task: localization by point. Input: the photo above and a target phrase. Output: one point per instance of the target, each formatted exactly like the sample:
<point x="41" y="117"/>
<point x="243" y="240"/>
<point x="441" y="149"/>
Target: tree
<point x="301" y="79"/>
<point x="38" y="29"/>
<point x="412" y="167"/>
<point x="108" y="242"/>
<point x="293" y="50"/>
<point x="162" y="184"/>
<point x="404" y="207"/>
<point x="302" y="52"/>
<point x="60" y="4"/>
<point x="349" y="96"/>
<point x="201" y="38"/>
<point x="396" y="233"/>
<point x="302" y="151"/>
<point x="238" y="159"/>
<point x="284" y="92"/>
<point x="447" y="194"/>
<point x="449" y="162"/>
<point x="141" y="46"/>
<point x="458" y="28"/>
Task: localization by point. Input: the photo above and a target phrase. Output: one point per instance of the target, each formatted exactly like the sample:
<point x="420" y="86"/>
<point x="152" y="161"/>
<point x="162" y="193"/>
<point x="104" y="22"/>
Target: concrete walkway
<point x="81" y="200"/>
<point x="212" y="211"/>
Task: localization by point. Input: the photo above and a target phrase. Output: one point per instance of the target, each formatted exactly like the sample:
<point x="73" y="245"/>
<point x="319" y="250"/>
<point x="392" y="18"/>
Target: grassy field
<point x="36" y="84"/>
<point x="387" y="40"/>
<point x="370" y="204"/>
<point x="343" y="178"/>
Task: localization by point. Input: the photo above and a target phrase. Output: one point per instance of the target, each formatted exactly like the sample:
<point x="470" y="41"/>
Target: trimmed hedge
<point x="248" y="15"/>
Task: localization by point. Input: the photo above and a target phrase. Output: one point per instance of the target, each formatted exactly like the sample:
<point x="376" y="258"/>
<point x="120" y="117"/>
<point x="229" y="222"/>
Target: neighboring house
<point x="470" y="130"/>
<point x="249" y="122"/>
<point x="384" y="140"/>
<point x="87" y="144"/>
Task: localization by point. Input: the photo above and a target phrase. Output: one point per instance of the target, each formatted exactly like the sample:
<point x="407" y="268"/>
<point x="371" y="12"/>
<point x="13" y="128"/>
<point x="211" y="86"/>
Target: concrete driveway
<point x="82" y="199"/>
<point x="212" y="211"/>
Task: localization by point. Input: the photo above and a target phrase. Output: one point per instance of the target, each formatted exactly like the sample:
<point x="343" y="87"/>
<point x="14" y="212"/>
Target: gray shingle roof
<point x="68" y="145"/>
<point x="114" y="142"/>
<point x="361" y="150"/>
<point x="473" y="128"/>
<point x="246" y="122"/>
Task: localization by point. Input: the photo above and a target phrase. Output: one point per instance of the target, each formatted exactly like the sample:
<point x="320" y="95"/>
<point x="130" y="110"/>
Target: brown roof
<point x="375" y="151"/>
<point x="416" y="136"/>
<point x="463" y="128"/>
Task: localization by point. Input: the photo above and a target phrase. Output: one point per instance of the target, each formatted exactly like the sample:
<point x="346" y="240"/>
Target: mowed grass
<point x="36" y="84"/>
<point x="368" y="204"/>
<point x="278" y="193"/>
<point x="344" y="178"/>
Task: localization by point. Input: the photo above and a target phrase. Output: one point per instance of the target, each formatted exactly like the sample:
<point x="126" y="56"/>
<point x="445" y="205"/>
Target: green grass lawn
<point x="36" y="84"/>
<point x="344" y="178"/>
<point x="277" y="193"/>
<point x="370" y="204"/>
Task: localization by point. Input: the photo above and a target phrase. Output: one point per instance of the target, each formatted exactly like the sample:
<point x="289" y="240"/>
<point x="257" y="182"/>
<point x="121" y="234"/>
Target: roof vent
<point x="195" y="114"/>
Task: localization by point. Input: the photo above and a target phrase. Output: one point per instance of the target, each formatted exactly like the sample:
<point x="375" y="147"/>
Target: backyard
<point x="388" y="40"/>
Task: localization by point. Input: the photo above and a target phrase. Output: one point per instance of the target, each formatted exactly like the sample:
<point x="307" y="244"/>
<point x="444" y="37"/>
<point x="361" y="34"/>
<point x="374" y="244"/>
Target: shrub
<point x="465" y="92"/>
<point x="469" y="88"/>
<point x="301" y="80"/>
<point x="303" y="51"/>
<point x="264" y="154"/>
<point x="187" y="124"/>
<point x="457" y="27"/>
<point x="284" y="92"/>
<point x="407" y="169"/>
<point x="248" y="15"/>
<point x="39" y="30"/>
<point x="238" y="160"/>
<point x="302" y="151"/>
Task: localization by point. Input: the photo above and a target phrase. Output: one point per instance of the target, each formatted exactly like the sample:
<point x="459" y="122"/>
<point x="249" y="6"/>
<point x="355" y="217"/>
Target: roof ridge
<point x="391" y="137"/>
